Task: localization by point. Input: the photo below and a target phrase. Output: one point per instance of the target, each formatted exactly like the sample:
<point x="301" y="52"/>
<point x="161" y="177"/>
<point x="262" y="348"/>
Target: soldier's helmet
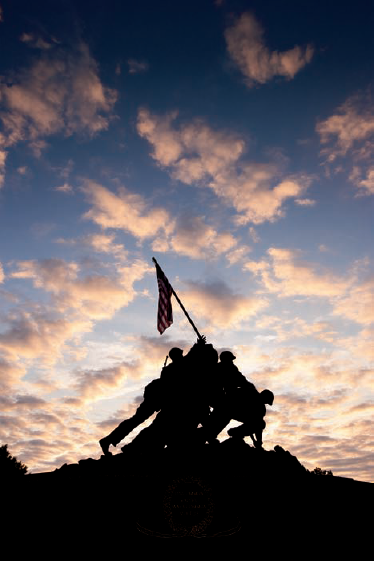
<point x="227" y="356"/>
<point x="175" y="353"/>
<point x="267" y="397"/>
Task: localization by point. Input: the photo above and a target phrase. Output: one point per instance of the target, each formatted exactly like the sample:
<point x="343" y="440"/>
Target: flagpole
<point x="181" y="305"/>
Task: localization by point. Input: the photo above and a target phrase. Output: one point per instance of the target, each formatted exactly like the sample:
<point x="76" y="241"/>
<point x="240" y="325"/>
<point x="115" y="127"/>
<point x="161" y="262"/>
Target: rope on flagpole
<point x="181" y="305"/>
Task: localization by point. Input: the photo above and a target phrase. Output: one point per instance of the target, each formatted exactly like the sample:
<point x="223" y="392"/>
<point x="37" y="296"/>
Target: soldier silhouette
<point x="236" y="398"/>
<point x="252" y="416"/>
<point x="151" y="403"/>
<point x="180" y="396"/>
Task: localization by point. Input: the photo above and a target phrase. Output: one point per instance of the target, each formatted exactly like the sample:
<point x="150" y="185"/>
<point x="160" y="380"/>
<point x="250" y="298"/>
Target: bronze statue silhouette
<point x="252" y="417"/>
<point x="195" y="398"/>
<point x="180" y="397"/>
<point x="151" y="403"/>
<point x="236" y="398"/>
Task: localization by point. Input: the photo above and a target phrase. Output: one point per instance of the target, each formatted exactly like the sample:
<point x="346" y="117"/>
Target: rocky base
<point x="228" y="491"/>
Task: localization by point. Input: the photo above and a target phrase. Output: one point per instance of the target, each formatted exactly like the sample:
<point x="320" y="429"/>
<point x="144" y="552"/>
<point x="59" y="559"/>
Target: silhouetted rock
<point x="228" y="489"/>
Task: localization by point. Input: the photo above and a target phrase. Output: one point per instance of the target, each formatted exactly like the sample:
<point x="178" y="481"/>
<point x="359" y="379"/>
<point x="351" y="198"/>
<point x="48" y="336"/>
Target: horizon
<point x="232" y="141"/>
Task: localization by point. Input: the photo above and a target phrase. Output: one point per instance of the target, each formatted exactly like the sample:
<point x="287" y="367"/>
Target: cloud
<point x="285" y="273"/>
<point x="196" y="239"/>
<point x="361" y="345"/>
<point x="289" y="329"/>
<point x="238" y="254"/>
<point x="350" y="129"/>
<point x="256" y="194"/>
<point x="195" y="151"/>
<point x="137" y="66"/>
<point x="11" y="373"/>
<point x="199" y="155"/>
<point x="65" y="188"/>
<point x="39" y="335"/>
<point x="3" y="155"/>
<point x="93" y="385"/>
<point x="95" y="297"/>
<point x="365" y="186"/>
<point x="2" y="276"/>
<point x="186" y="235"/>
<point x="350" y="132"/>
<point x="358" y="304"/>
<point x="258" y="64"/>
<point x="104" y="243"/>
<point x="125" y="211"/>
<point x="219" y="305"/>
<point x="35" y="41"/>
<point x="47" y="332"/>
<point x="60" y="92"/>
<point x="305" y="202"/>
<point x="1" y="14"/>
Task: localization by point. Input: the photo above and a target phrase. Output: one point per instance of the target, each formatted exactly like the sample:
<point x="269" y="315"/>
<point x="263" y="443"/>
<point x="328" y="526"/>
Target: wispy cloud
<point x="39" y="335"/>
<point x="219" y="306"/>
<point x="247" y="48"/>
<point x="358" y="303"/>
<point x="350" y="129"/>
<point x="3" y="155"/>
<point x="65" y="188"/>
<point x="199" y="155"/>
<point x="60" y="92"/>
<point x="35" y="41"/>
<point x="137" y="66"/>
<point x="285" y="273"/>
<point x="95" y="297"/>
<point x="350" y="132"/>
<point x="187" y="234"/>
<point x="365" y="185"/>
<point x="126" y="211"/>
<point x="194" y="238"/>
<point x="93" y="385"/>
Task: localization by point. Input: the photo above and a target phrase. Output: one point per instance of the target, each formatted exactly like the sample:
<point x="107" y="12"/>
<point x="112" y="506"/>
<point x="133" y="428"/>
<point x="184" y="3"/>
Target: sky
<point x="233" y="141"/>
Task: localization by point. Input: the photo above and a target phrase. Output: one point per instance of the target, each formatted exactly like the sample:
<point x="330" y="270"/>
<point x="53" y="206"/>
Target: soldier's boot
<point x="105" y="443"/>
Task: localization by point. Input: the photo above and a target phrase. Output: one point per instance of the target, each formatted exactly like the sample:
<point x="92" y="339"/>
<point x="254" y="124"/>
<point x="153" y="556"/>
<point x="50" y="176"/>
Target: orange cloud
<point x="95" y="297"/>
<point x="219" y="306"/>
<point x="93" y="385"/>
<point x="195" y="150"/>
<point x="60" y="92"/>
<point x="365" y="186"/>
<point x="126" y="211"/>
<point x="197" y="154"/>
<point x="286" y="274"/>
<point x="35" y="335"/>
<point x="256" y="194"/>
<point x="194" y="238"/>
<point x="3" y="156"/>
<point x="289" y="329"/>
<point x="258" y="64"/>
<point x="358" y="304"/>
<point x="348" y="129"/>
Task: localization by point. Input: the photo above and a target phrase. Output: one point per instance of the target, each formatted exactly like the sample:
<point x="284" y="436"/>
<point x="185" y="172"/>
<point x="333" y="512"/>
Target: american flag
<point x="165" y="312"/>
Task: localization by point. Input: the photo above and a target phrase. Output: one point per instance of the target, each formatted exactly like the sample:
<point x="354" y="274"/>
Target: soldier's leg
<point x="215" y="423"/>
<point x="143" y="412"/>
<point x="250" y="427"/>
<point x="149" y="440"/>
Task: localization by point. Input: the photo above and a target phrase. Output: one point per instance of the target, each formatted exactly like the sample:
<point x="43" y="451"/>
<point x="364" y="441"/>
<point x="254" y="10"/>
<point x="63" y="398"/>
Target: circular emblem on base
<point x="188" y="506"/>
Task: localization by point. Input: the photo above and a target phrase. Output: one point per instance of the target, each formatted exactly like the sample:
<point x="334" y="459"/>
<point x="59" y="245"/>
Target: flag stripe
<point x="165" y="312"/>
